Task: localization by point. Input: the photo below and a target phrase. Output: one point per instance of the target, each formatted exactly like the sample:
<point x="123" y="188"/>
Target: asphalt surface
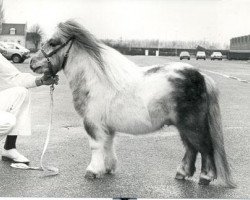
<point x="147" y="165"/>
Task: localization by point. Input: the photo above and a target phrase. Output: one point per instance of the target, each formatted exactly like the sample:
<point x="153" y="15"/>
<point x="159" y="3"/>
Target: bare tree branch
<point x="35" y="35"/>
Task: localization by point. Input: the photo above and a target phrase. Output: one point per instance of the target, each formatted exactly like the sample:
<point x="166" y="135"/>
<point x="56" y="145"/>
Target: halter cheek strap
<point x="65" y="59"/>
<point x="50" y="65"/>
<point x="47" y="56"/>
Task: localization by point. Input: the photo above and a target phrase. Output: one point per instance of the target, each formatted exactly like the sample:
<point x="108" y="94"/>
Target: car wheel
<point x="22" y="60"/>
<point x="188" y="58"/>
<point x="16" y="58"/>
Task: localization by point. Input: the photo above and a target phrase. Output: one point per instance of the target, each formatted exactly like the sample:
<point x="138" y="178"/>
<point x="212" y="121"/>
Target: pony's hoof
<point x="109" y="171"/>
<point x="92" y="175"/>
<point x="180" y="176"/>
<point x="110" y="165"/>
<point x="204" y="181"/>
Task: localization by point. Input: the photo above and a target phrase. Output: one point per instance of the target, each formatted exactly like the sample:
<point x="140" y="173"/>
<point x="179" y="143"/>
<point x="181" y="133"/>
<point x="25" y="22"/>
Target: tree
<point x="1" y="12"/>
<point x="35" y="35"/>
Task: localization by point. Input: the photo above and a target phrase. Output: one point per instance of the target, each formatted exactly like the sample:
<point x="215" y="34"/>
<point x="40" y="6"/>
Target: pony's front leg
<point x="96" y="168"/>
<point x="110" y="160"/>
<point x="103" y="159"/>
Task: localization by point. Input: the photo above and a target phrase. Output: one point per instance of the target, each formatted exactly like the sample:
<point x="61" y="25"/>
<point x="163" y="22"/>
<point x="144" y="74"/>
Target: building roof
<point x="20" y="28"/>
<point x="200" y="48"/>
<point x="240" y="37"/>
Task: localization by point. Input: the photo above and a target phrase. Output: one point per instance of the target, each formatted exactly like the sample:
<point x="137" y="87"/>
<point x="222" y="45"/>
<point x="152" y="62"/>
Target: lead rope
<point x="49" y="170"/>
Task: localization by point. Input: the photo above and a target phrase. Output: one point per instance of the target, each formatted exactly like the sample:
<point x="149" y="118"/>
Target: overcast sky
<point x="211" y="20"/>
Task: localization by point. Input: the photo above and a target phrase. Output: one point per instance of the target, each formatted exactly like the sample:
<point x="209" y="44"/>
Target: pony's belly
<point x="133" y="126"/>
<point x="129" y="115"/>
<point x="144" y="111"/>
<point x="134" y="118"/>
<point x="138" y="126"/>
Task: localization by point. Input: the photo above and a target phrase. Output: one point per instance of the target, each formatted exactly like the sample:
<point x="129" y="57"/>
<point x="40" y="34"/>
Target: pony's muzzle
<point x="33" y="65"/>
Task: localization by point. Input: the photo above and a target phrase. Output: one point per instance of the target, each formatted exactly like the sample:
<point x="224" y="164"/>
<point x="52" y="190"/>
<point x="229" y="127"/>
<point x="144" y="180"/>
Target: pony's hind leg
<point x="103" y="159"/>
<point x="199" y="141"/>
<point x="187" y="166"/>
<point x="208" y="170"/>
<point x="205" y="147"/>
<point x="192" y="112"/>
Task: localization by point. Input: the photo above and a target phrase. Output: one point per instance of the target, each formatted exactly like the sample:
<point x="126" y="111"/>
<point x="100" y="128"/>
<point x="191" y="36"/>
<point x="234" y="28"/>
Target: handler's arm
<point x="10" y="74"/>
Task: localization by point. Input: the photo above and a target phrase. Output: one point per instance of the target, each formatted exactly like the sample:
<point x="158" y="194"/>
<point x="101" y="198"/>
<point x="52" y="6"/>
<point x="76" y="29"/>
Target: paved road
<point x="147" y="165"/>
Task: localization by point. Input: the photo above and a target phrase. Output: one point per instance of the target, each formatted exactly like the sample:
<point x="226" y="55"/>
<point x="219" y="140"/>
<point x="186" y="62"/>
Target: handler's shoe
<point x="13" y="155"/>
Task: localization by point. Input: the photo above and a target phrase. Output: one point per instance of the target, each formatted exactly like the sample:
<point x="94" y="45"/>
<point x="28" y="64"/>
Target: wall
<point x="164" y="51"/>
<point x="240" y="43"/>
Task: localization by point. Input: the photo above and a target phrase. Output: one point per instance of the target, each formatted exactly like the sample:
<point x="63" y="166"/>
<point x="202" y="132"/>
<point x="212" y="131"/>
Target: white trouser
<point x="15" y="111"/>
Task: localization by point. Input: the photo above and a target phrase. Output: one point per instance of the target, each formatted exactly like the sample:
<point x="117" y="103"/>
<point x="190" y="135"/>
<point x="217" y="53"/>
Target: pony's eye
<point x="52" y="44"/>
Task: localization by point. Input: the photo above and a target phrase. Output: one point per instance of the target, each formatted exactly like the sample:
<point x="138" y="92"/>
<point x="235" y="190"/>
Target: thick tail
<point x="215" y="129"/>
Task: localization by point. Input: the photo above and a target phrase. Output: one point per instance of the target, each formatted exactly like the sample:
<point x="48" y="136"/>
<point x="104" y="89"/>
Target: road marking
<point x="236" y="127"/>
<point x="227" y="76"/>
<point x="148" y="135"/>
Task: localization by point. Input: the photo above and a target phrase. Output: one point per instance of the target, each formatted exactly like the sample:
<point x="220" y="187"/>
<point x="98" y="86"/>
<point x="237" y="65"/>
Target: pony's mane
<point x="83" y="38"/>
<point x="117" y="69"/>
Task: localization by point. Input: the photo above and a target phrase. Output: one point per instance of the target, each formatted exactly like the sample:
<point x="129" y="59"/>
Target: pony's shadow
<point x="105" y="186"/>
<point x="191" y="189"/>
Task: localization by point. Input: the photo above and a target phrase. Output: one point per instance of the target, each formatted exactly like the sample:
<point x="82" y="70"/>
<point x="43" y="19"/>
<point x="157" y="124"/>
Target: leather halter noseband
<point x="47" y="56"/>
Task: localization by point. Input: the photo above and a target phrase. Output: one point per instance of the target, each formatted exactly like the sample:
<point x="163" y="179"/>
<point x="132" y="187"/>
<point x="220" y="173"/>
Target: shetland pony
<point x="112" y="94"/>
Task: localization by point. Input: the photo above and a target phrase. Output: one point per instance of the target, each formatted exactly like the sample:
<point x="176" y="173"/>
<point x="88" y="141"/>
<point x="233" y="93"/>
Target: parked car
<point x="201" y="55"/>
<point x="216" y="55"/>
<point x="13" y="51"/>
<point x="184" y="55"/>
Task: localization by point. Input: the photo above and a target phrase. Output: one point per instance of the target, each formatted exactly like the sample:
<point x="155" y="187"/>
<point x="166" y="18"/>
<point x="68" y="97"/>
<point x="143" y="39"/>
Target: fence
<point x="164" y="51"/>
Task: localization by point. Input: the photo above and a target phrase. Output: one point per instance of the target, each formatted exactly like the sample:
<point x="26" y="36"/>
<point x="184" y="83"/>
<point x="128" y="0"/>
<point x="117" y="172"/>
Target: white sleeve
<point x="10" y="74"/>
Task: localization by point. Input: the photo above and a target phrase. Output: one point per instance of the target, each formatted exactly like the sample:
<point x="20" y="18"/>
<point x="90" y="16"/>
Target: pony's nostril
<point x="31" y="64"/>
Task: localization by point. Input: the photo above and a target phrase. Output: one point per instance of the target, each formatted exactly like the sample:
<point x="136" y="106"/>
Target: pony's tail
<point x="215" y="130"/>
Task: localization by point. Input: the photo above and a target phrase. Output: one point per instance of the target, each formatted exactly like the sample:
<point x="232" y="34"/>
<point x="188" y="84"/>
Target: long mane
<point x="83" y="38"/>
<point x="115" y="67"/>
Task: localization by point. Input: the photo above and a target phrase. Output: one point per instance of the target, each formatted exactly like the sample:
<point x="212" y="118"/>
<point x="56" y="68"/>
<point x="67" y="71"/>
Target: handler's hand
<point x="47" y="79"/>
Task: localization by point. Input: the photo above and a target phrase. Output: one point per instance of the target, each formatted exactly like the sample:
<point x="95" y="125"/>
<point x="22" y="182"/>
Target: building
<point x="240" y="43"/>
<point x="239" y="48"/>
<point x="14" y="33"/>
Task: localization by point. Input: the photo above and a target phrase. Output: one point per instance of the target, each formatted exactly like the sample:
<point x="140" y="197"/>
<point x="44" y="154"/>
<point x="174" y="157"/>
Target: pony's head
<point x="69" y="35"/>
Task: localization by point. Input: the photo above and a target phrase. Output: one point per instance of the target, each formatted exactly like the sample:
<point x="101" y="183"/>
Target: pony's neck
<point x="118" y="72"/>
<point x="79" y="70"/>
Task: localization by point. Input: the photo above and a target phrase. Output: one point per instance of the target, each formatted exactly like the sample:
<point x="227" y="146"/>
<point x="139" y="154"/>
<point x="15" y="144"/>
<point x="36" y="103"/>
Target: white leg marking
<point x="103" y="158"/>
<point x="110" y="156"/>
<point x="96" y="168"/>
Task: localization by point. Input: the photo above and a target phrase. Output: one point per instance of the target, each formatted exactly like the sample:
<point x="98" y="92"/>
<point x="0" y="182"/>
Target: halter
<point x="47" y="56"/>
